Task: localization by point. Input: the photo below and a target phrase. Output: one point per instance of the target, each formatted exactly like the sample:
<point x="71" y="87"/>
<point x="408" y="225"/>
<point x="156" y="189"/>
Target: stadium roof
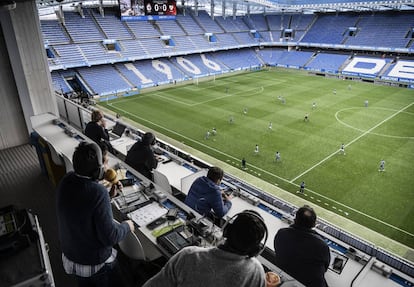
<point x="240" y="7"/>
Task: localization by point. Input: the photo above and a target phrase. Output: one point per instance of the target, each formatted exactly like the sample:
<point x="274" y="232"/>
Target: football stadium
<point x="301" y="103"/>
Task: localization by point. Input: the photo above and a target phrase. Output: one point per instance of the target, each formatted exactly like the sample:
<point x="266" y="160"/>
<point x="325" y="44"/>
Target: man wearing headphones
<point x="206" y="197"/>
<point x="96" y="130"/>
<point x="232" y="263"/>
<point x="87" y="231"/>
<point x="141" y="155"/>
<point x="301" y="251"/>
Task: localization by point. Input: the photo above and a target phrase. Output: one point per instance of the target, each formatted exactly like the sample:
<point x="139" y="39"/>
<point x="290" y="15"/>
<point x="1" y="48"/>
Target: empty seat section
<point x="112" y="26"/>
<point x="327" y="62"/>
<point x="170" y="28"/>
<point x="207" y="23"/>
<point x="383" y="30"/>
<point x="53" y="32"/>
<point x="82" y="29"/>
<point x="59" y="83"/>
<point x="232" y="25"/>
<point x="132" y="49"/>
<point x="104" y="79"/>
<point x="97" y="53"/>
<point x="190" y="26"/>
<point x="142" y="29"/>
<point x="226" y="41"/>
<point x="256" y="22"/>
<point x="69" y="55"/>
<point x="245" y="38"/>
<point x="294" y="58"/>
<point x="330" y="29"/>
<point x="237" y="59"/>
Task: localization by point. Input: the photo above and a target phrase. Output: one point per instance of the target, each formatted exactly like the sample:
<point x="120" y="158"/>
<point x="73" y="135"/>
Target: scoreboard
<point x="160" y="7"/>
<point x="133" y="10"/>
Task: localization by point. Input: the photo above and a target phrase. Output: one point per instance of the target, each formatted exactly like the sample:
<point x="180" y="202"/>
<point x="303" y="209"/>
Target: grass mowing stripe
<point x="351" y="142"/>
<point x="351" y="181"/>
<point x="283" y="179"/>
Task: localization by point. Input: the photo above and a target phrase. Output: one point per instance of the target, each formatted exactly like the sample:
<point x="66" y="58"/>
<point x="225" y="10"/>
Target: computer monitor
<point x="118" y="129"/>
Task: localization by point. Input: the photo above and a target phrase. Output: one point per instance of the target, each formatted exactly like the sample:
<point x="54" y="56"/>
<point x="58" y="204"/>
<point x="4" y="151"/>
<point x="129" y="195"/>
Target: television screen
<point x="135" y="10"/>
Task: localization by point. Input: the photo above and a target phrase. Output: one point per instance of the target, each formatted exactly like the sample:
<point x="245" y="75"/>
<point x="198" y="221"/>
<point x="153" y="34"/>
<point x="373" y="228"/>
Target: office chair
<point x="137" y="268"/>
<point x="161" y="180"/>
<point x="68" y="164"/>
<point x="132" y="247"/>
<point x="56" y="157"/>
<point x="56" y="168"/>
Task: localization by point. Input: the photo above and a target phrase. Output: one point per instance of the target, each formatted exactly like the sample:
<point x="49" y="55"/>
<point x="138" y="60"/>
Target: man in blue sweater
<point x="87" y="231"/>
<point x="205" y="195"/>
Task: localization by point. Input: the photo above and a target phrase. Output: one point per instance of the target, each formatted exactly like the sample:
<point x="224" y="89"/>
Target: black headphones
<point x="95" y="170"/>
<point x="148" y="139"/>
<point x="259" y="245"/>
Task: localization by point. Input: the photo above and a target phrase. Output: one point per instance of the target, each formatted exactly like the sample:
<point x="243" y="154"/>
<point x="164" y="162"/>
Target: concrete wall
<point x="25" y="81"/>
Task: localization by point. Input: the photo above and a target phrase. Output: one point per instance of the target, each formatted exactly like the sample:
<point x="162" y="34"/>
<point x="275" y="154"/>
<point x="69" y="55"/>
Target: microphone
<point x="112" y="177"/>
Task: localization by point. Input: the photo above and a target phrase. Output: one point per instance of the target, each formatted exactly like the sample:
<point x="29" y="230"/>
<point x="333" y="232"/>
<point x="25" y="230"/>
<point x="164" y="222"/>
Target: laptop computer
<point x="117" y="131"/>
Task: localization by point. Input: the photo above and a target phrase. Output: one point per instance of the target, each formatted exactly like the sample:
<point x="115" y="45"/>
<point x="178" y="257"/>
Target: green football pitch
<point x="268" y="108"/>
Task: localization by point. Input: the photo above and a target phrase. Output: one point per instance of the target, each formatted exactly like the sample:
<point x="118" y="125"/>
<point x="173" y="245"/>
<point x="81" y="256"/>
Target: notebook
<point x="148" y="213"/>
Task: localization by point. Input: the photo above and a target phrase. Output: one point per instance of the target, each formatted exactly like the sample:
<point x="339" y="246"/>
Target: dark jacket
<point x="141" y="158"/>
<point x="204" y="196"/>
<point x="87" y="231"/>
<point x="99" y="135"/>
<point x="303" y="254"/>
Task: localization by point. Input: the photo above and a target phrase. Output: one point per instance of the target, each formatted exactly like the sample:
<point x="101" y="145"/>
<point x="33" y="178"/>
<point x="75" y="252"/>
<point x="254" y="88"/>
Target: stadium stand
<point x="143" y="59"/>
<point x="96" y="53"/>
<point x="245" y="38"/>
<point x="69" y="47"/>
<point x="170" y="28"/>
<point x="326" y="62"/>
<point x="231" y="59"/>
<point x="208" y="24"/>
<point x="201" y="42"/>
<point x="60" y="84"/>
<point x="69" y="55"/>
<point x="53" y="33"/>
<point x="270" y="56"/>
<point x="257" y="22"/>
<point x="330" y="29"/>
<point x="82" y="29"/>
<point x="104" y="80"/>
<point x="133" y="50"/>
<point x="383" y="30"/>
<point x="232" y="25"/>
<point x="204" y="70"/>
<point x="190" y="26"/>
<point x="111" y="26"/>
<point x="142" y="29"/>
<point x="294" y="59"/>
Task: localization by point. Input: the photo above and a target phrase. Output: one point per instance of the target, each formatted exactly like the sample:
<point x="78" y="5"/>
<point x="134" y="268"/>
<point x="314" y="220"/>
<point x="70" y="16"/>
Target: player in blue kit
<point x="302" y="187"/>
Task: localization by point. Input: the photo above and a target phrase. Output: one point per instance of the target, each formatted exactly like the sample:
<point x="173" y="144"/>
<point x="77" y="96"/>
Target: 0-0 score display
<point x="160" y="7"/>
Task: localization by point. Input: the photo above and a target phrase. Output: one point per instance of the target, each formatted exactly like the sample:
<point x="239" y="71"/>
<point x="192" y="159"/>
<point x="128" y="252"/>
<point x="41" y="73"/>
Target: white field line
<point x="264" y="171"/>
<point x="257" y="91"/>
<point x="169" y="98"/>
<point x="351" y="142"/>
